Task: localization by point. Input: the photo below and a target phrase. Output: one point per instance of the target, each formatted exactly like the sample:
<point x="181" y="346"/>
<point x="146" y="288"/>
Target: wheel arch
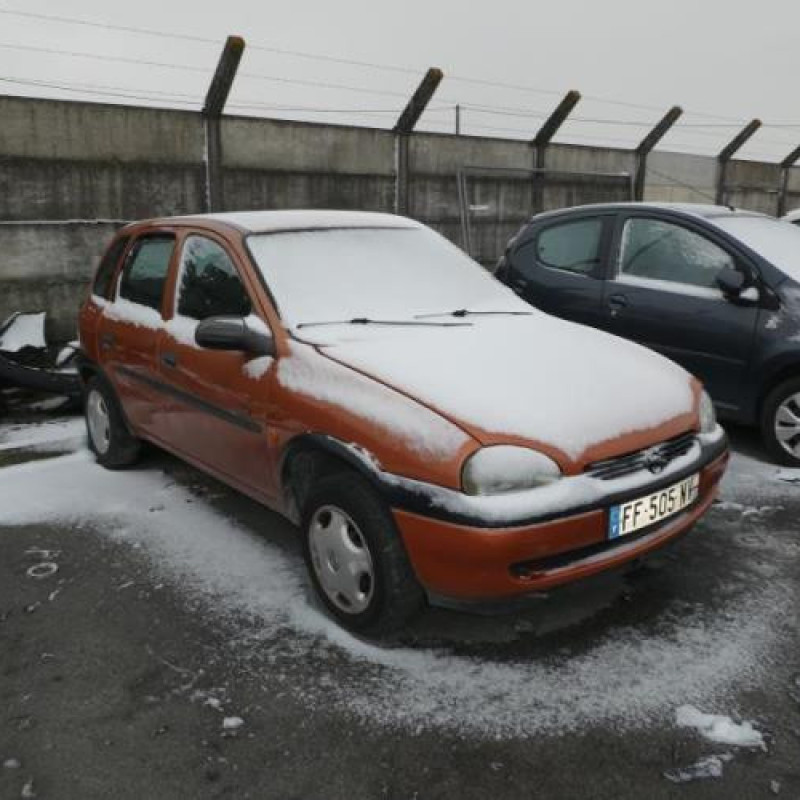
<point x="778" y="375"/>
<point x="310" y="457"/>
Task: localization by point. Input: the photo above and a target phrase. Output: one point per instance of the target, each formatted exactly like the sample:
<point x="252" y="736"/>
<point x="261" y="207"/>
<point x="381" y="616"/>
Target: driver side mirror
<point x="732" y="284"/>
<point x="233" y="333"/>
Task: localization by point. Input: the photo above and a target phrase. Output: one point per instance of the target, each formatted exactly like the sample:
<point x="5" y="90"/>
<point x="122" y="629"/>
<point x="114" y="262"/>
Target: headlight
<point x="708" y="417"/>
<point x="507" y="468"/>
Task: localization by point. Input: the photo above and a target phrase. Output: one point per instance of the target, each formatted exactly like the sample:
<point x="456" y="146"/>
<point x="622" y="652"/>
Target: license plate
<point x="637" y="514"/>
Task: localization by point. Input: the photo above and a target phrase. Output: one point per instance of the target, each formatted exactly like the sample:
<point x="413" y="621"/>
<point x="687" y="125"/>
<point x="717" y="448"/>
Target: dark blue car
<point x="715" y="289"/>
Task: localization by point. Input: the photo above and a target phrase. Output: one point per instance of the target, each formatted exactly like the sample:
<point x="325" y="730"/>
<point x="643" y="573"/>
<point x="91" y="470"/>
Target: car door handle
<point x="107" y="341"/>
<point x="617" y="302"/>
<point x="169" y="359"/>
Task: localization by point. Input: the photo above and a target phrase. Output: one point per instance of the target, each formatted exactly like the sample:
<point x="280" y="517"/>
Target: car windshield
<point x="377" y="273"/>
<point x="776" y="241"/>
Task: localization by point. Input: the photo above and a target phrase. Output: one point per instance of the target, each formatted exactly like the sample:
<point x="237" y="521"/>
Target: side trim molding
<point x="239" y="420"/>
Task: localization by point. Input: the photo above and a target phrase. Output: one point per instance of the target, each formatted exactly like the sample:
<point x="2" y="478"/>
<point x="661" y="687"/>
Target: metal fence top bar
<point x="530" y="171"/>
<point x="13" y="222"/>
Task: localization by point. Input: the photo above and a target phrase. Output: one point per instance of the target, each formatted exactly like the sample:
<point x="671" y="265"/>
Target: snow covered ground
<point x="699" y="651"/>
<point x="66" y="434"/>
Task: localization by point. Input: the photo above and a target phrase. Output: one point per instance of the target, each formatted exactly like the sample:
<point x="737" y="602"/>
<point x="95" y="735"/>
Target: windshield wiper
<point x="368" y="321"/>
<point x="465" y="312"/>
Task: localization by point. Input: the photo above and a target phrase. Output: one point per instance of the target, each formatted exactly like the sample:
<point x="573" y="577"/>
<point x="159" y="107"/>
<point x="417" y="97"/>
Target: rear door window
<point x="571" y="246"/>
<point x="209" y="284"/>
<point x="108" y="266"/>
<point x="146" y="268"/>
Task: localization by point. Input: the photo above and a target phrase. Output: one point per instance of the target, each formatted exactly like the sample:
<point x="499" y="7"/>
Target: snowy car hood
<point x="533" y="377"/>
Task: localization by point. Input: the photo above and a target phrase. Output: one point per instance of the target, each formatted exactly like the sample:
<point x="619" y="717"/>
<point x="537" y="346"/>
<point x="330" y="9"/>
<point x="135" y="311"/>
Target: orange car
<point x="434" y="437"/>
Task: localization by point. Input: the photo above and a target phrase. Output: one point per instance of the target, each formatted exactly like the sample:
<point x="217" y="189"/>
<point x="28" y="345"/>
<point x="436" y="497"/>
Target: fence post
<point x="403" y="128"/>
<point x="646" y="146"/>
<point x="214" y="105"/>
<point x="543" y="138"/>
<point x="786" y="169"/>
<point x="728" y="152"/>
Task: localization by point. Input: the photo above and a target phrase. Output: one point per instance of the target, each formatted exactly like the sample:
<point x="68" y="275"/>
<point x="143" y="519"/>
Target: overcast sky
<point x="724" y="62"/>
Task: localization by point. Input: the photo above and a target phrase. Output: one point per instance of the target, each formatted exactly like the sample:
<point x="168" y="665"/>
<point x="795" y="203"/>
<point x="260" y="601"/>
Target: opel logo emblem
<point x="655" y="460"/>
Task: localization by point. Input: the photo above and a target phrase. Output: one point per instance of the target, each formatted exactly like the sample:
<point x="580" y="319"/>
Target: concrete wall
<point x="70" y="173"/>
<point x="76" y="163"/>
<point x="680" y="178"/>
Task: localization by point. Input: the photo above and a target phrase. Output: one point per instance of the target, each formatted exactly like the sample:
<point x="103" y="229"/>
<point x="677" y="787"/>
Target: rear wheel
<point x="355" y="557"/>
<point x="780" y="422"/>
<point x="109" y="438"/>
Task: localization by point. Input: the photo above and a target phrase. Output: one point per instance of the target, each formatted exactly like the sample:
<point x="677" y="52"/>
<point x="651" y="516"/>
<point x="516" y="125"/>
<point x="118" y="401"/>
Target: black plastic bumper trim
<point x="416" y="502"/>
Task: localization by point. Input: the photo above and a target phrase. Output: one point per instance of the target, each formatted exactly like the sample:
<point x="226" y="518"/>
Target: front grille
<point x="660" y="456"/>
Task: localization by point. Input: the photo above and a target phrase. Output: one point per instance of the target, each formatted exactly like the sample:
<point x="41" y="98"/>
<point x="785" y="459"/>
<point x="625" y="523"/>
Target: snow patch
<point x="122" y="310"/>
<point x="702" y="769"/>
<point x="258" y="367"/>
<point x="757" y="482"/>
<point x="312" y="375"/>
<point x="55" y="434"/>
<point x="392" y="274"/>
<point x="719" y="728"/>
<point x="628" y="677"/>
<point x="25" y="330"/>
<point x="183" y="330"/>
<point x="302" y="219"/>
<point x="774" y="240"/>
<point x="573" y="387"/>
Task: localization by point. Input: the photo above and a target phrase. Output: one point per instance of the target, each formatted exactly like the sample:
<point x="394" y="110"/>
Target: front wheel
<point x="780" y="422"/>
<point x="109" y="438"/>
<point x="356" y="559"/>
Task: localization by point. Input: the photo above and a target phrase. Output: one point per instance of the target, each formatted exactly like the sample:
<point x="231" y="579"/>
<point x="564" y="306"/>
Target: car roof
<point x="288" y="220"/>
<point x="705" y="211"/>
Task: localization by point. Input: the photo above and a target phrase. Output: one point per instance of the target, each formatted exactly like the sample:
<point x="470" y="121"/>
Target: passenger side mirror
<point x="732" y="283"/>
<point x="233" y="333"/>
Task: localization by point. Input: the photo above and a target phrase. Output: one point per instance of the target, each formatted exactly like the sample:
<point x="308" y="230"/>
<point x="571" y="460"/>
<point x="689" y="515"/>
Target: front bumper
<point x="467" y="548"/>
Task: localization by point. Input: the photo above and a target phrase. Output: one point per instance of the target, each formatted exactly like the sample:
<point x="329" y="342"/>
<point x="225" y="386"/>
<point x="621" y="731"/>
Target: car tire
<point x="780" y="407"/>
<point x="355" y="557"/>
<point x="110" y="440"/>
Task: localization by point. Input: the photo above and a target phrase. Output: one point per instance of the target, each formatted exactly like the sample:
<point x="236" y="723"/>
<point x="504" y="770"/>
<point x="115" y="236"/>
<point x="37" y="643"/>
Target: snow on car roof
<point x="297" y="219"/>
<point x="706" y="210"/>
<point x="792" y="216"/>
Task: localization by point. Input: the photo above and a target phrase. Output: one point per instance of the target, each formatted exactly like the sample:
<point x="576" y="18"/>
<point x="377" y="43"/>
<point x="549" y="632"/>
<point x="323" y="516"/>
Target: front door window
<point x="655" y="250"/>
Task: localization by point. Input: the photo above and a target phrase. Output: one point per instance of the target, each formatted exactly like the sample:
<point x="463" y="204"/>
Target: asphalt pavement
<point x="150" y="661"/>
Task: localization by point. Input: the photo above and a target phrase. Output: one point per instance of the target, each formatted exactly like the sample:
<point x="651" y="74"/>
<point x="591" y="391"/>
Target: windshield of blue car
<point x="377" y="273"/>
<point x="776" y="241"/>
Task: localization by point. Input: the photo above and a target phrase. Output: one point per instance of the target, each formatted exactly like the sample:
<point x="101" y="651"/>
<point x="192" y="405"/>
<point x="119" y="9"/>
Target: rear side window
<point x="664" y="251"/>
<point x="105" y="272"/>
<point x="145" y="272"/>
<point x="209" y="284"/>
<point x="572" y="246"/>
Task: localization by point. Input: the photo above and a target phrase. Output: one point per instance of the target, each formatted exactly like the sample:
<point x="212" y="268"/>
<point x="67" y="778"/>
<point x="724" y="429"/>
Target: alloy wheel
<point x="787" y="425"/>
